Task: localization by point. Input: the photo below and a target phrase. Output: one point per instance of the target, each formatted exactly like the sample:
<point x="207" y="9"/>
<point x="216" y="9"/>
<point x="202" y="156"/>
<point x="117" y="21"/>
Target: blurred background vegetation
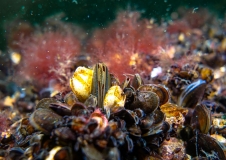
<point x="90" y="14"/>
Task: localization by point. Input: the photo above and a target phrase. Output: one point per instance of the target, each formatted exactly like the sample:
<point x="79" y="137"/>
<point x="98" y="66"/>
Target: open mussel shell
<point x="201" y="119"/>
<point x="160" y="90"/>
<point x="44" y="120"/>
<point x="204" y="145"/>
<point x="60" y="108"/>
<point x="146" y="100"/>
<point x="192" y="94"/>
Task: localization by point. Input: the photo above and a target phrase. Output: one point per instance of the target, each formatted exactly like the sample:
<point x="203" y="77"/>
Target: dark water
<point x="93" y="13"/>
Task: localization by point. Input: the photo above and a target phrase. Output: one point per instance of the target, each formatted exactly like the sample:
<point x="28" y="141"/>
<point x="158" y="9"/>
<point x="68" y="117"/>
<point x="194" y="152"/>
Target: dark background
<point x="94" y="13"/>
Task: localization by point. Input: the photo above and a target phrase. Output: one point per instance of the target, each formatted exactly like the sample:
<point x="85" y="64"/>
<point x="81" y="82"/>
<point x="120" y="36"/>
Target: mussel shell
<point x="129" y="144"/>
<point x="63" y="154"/>
<point x="44" y="120"/>
<point x="185" y="133"/>
<point x="204" y="143"/>
<point x="135" y="130"/>
<point x="128" y="116"/>
<point x="153" y="141"/>
<point x="36" y="138"/>
<point x="137" y="81"/>
<point x="45" y="102"/>
<point x="147" y="122"/>
<point x="140" y="113"/>
<point x="159" y="117"/>
<point x="79" y="109"/>
<point x="92" y="153"/>
<point x="160" y="90"/>
<point x="147" y="101"/>
<point x="60" y="108"/>
<point x="201" y="119"/>
<point x="130" y="96"/>
<point x="59" y="153"/>
<point x="166" y="127"/>
<point x="16" y="153"/>
<point x="78" y="124"/>
<point x="64" y="133"/>
<point x="113" y="154"/>
<point x="192" y="94"/>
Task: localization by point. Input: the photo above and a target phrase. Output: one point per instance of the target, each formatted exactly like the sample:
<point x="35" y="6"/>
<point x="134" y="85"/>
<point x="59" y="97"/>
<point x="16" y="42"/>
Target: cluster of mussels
<point x="194" y="88"/>
<point x="102" y="119"/>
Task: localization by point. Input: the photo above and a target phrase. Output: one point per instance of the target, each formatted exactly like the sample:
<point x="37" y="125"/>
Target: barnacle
<point x="81" y="83"/>
<point x="114" y="98"/>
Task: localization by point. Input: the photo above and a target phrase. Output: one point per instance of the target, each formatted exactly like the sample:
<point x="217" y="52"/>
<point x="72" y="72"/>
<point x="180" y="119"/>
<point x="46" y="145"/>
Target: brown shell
<point x="201" y="119"/>
<point x="44" y="120"/>
<point x="147" y="101"/>
<point x="160" y="90"/>
<point x="60" y="108"/>
<point x="159" y="118"/>
<point x="147" y="122"/>
<point x="137" y="81"/>
<point x="79" y="109"/>
<point x="192" y="94"/>
<point x="45" y="102"/>
<point x="204" y="145"/>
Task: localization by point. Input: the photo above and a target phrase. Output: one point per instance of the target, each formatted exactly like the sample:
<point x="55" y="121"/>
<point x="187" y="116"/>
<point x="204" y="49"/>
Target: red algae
<point x="121" y="44"/>
<point x="42" y="52"/>
<point x="178" y="26"/>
